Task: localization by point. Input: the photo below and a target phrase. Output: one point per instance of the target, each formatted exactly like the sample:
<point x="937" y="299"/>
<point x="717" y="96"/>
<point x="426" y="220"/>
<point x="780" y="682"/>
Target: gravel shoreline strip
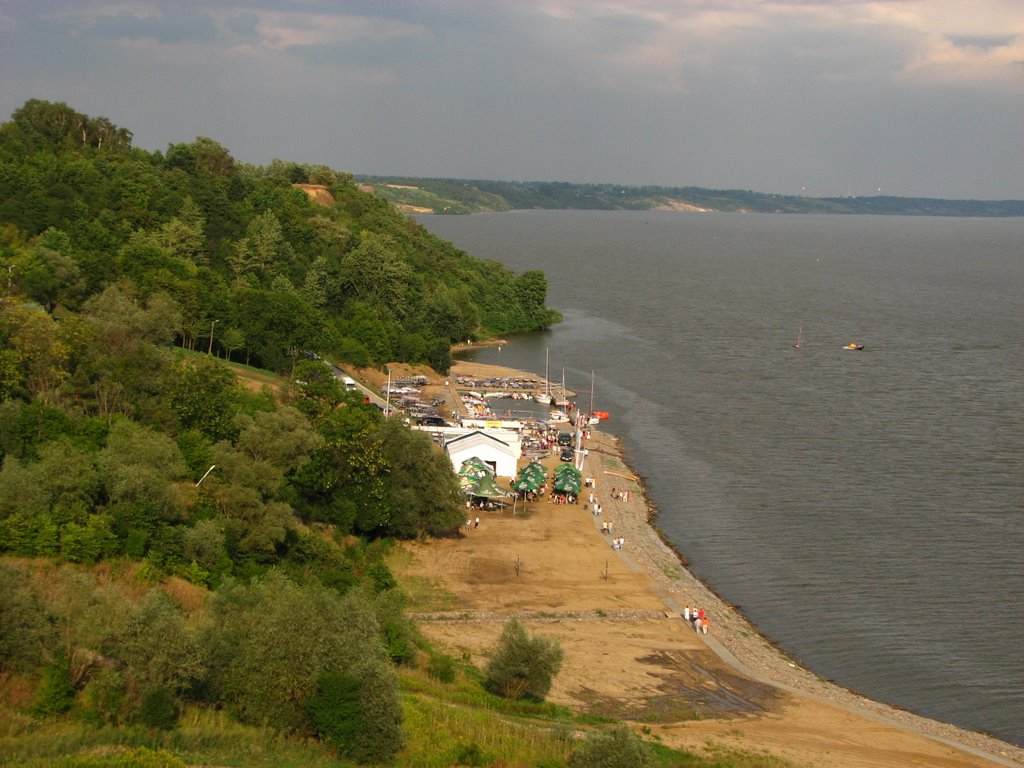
<point x="735" y="639"/>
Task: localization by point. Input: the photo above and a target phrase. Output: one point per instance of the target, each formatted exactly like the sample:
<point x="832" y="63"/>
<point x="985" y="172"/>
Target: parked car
<point x="566" y="454"/>
<point x="564" y="438"/>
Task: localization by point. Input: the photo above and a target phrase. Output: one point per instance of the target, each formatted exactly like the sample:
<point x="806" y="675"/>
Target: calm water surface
<point x="864" y="509"/>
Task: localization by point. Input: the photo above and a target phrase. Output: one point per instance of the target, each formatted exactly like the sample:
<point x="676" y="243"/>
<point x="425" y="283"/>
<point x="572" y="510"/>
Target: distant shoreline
<point x="433" y="196"/>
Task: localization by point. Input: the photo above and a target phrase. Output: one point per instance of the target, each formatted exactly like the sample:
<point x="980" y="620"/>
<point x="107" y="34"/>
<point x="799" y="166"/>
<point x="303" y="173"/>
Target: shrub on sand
<point x="523" y="666"/>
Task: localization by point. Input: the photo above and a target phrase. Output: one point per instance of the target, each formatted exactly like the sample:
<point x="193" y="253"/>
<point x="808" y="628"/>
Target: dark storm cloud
<point x="918" y="98"/>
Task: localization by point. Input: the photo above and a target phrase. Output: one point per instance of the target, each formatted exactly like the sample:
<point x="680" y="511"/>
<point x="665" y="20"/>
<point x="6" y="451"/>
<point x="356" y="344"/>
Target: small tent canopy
<point x="475" y="467"/>
<point x="534" y="469"/>
<point x="525" y="484"/>
<point x="566" y="485"/>
<point x="486" y="488"/>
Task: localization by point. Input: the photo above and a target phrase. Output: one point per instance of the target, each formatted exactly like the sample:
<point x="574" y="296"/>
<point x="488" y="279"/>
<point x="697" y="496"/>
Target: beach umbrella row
<point x="530" y="478"/>
<point x="567" y="479"/>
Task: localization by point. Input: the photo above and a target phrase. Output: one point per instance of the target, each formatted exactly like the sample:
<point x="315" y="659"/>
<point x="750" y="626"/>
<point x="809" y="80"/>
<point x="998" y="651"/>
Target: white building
<point x="498" y="448"/>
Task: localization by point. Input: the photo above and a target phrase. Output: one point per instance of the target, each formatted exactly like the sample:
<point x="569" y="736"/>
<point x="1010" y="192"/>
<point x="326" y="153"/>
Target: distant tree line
<point x="458" y="196"/>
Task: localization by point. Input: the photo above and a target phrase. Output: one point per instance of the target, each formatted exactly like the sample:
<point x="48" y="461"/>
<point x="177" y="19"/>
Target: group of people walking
<point x="697" y="618"/>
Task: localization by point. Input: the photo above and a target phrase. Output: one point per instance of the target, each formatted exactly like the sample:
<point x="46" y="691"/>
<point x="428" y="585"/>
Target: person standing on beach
<point x="704" y="625"/>
<point x="686" y="614"/>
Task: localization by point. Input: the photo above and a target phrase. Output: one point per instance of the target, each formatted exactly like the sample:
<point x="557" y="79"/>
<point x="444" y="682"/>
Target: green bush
<point x="617" y="748"/>
<point x="523" y="666"/>
<point x="471" y="755"/>
<point x="55" y="694"/>
<point x="335" y="711"/>
<point x="381" y="577"/>
<point x="104" y="699"/>
<point x="24" y="628"/>
<point x="441" y="668"/>
<point x="159" y="709"/>
<point x="358" y="714"/>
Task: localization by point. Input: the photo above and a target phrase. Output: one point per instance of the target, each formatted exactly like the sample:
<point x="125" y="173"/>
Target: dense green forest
<point x="459" y="196"/>
<point x="133" y="459"/>
<point x="235" y="256"/>
<point x="196" y="556"/>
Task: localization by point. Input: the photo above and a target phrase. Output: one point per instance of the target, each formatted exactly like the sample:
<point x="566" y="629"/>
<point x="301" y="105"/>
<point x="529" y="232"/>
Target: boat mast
<point x="547" y="381"/>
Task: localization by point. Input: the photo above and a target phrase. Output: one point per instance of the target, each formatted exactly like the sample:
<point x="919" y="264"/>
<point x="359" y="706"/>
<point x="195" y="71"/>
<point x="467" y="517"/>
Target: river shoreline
<point x="733" y="638"/>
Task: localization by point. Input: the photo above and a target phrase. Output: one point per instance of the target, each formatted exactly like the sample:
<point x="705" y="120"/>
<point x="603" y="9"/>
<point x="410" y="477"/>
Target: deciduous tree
<point x="523" y="666"/>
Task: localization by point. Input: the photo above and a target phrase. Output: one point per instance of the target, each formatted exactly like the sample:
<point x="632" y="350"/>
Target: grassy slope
<point x="446" y="723"/>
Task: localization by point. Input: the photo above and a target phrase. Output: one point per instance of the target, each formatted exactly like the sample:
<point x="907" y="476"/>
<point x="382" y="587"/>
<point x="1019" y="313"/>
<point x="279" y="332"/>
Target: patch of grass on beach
<point x="718" y="757"/>
<point x="424" y="594"/>
<point x="671" y="572"/>
<point x="466" y="690"/>
<point x="441" y="735"/>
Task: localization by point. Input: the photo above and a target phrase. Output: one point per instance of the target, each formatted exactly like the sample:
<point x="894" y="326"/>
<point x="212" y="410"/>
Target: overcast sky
<point x="820" y="97"/>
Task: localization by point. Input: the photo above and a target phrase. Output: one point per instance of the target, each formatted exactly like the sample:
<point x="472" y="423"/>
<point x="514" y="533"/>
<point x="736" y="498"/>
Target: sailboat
<point x="561" y="401"/>
<point x="544" y="398"/>
<point x="594" y="417"/>
<point x="799" y="334"/>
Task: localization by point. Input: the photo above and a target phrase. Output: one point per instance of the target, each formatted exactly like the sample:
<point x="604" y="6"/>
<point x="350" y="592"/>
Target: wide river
<point x="865" y="509"/>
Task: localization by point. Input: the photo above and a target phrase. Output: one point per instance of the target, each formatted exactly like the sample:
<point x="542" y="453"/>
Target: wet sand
<point x="629" y="654"/>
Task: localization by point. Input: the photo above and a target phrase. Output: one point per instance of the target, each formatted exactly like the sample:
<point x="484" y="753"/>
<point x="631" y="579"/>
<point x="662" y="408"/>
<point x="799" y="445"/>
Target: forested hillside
<point x="170" y="540"/>
<point x="236" y="256"/>
<point x="195" y="554"/>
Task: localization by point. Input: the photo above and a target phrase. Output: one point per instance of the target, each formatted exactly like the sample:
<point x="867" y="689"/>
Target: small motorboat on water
<point x="854" y="345"/>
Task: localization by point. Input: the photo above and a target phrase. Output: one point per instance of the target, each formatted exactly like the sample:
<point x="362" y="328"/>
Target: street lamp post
<point x="212" y="466"/>
<point x="209" y="349"/>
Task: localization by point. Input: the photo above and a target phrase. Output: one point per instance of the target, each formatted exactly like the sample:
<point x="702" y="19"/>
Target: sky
<point x="814" y="97"/>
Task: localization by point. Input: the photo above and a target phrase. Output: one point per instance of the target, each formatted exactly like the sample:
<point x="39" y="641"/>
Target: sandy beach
<point x="628" y="653"/>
